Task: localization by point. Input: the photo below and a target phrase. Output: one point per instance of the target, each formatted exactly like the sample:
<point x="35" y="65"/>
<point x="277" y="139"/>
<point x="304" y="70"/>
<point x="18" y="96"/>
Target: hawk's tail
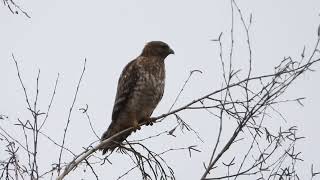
<point x="112" y="130"/>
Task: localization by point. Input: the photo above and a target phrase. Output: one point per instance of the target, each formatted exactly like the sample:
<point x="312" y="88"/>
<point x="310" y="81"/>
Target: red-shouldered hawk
<point x="140" y="88"/>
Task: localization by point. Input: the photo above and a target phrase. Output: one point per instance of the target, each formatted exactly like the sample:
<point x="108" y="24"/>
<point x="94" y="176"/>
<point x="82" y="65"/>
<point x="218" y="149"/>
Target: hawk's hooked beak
<point x="171" y="51"/>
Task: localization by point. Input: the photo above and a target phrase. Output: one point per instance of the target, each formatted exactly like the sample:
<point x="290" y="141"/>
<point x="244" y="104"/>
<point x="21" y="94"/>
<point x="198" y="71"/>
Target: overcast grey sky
<point x="61" y="34"/>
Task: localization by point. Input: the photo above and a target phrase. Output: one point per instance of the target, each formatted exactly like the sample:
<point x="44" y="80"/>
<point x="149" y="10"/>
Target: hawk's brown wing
<point x="126" y="84"/>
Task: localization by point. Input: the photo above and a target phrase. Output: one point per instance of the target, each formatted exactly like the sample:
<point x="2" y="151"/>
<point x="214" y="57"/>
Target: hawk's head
<point x="156" y="48"/>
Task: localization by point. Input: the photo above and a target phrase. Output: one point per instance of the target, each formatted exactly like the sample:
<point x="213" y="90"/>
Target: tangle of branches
<point x="14" y="7"/>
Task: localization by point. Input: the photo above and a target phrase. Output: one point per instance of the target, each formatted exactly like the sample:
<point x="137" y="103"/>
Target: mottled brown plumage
<point x="140" y="88"/>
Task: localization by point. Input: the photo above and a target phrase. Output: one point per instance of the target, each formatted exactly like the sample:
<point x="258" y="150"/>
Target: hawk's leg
<point x="136" y="125"/>
<point x="133" y="121"/>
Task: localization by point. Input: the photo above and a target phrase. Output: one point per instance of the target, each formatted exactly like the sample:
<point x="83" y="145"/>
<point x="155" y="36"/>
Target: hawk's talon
<point x="150" y="121"/>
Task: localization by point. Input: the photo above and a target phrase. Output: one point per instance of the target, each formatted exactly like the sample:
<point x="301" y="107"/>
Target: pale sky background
<point x="61" y="34"/>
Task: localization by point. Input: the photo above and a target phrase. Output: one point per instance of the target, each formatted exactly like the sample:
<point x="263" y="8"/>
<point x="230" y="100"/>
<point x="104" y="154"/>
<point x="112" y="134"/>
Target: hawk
<point x="140" y="88"/>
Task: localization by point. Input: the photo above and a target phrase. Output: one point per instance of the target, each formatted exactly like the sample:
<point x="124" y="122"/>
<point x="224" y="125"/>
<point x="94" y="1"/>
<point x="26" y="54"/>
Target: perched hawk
<point x="140" y="88"/>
